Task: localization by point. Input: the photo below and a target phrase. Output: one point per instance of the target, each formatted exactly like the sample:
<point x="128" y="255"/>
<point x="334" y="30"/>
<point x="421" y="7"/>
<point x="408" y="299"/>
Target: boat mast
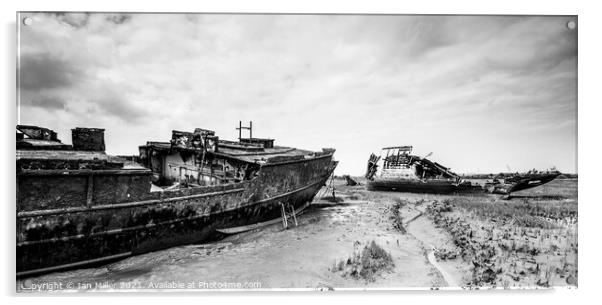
<point x="240" y="128"/>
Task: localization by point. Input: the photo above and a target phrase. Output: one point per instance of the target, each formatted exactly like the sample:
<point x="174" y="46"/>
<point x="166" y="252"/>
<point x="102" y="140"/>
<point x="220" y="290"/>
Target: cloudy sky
<point x="482" y="93"/>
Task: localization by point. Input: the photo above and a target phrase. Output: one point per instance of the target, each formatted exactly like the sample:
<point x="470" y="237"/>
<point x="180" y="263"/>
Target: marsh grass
<point x="366" y="263"/>
<point x="529" y="240"/>
<point x="524" y="212"/>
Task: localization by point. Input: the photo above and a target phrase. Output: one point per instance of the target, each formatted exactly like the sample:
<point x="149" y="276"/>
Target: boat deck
<point x="244" y="152"/>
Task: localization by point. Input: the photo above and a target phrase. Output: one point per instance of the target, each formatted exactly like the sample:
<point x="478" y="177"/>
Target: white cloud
<point x="479" y="91"/>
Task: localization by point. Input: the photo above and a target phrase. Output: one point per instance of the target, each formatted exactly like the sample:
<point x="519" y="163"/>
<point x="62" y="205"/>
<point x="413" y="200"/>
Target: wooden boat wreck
<point x="401" y="171"/>
<point x="505" y="184"/>
<point x="78" y="206"/>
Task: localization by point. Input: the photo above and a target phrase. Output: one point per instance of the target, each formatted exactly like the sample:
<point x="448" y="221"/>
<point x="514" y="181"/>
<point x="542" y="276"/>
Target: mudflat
<point x="428" y="241"/>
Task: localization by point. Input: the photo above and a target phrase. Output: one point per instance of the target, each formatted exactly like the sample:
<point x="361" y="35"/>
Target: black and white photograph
<point x="190" y="151"/>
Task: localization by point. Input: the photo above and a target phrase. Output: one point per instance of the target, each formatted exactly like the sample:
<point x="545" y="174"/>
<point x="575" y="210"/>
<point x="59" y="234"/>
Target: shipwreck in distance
<point x="396" y="169"/>
<point x="78" y="206"/>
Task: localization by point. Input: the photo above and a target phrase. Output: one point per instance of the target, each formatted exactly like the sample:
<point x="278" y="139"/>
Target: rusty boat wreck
<point x="78" y="206"/>
<point x="505" y="184"/>
<point x="396" y="169"/>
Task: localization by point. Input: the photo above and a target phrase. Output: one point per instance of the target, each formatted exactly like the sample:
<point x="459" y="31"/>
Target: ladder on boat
<point x="288" y="215"/>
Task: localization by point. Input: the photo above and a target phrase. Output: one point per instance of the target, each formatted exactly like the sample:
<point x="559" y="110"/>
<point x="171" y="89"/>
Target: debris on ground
<point x="350" y="181"/>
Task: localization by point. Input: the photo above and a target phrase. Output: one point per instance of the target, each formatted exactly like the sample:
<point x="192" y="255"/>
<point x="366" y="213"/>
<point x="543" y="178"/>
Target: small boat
<point x="78" y="206"/>
<point x="401" y="171"/>
<point x="505" y="184"/>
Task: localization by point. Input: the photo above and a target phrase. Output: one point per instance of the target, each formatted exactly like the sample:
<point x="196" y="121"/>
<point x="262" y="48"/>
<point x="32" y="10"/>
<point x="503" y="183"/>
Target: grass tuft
<point x="366" y="264"/>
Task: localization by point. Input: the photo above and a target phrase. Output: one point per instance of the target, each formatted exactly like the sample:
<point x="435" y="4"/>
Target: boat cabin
<point x="51" y="174"/>
<point x="200" y="158"/>
<point x="397" y="162"/>
<point x="396" y="157"/>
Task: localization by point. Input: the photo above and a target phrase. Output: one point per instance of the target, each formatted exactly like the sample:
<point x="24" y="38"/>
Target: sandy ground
<point x="298" y="257"/>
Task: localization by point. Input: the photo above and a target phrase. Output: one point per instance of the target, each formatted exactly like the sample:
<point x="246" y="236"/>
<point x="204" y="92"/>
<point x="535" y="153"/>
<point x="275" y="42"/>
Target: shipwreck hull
<point x="89" y="229"/>
<point x="534" y="182"/>
<point x="522" y="183"/>
<point x="414" y="186"/>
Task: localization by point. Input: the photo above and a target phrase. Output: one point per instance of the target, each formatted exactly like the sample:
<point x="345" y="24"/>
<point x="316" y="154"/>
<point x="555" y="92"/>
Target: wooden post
<point x="224" y="169"/>
<point x="386" y="163"/>
<point x="294" y="216"/>
<point x="211" y="172"/>
<point x="201" y="175"/>
<point x="283" y="212"/>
